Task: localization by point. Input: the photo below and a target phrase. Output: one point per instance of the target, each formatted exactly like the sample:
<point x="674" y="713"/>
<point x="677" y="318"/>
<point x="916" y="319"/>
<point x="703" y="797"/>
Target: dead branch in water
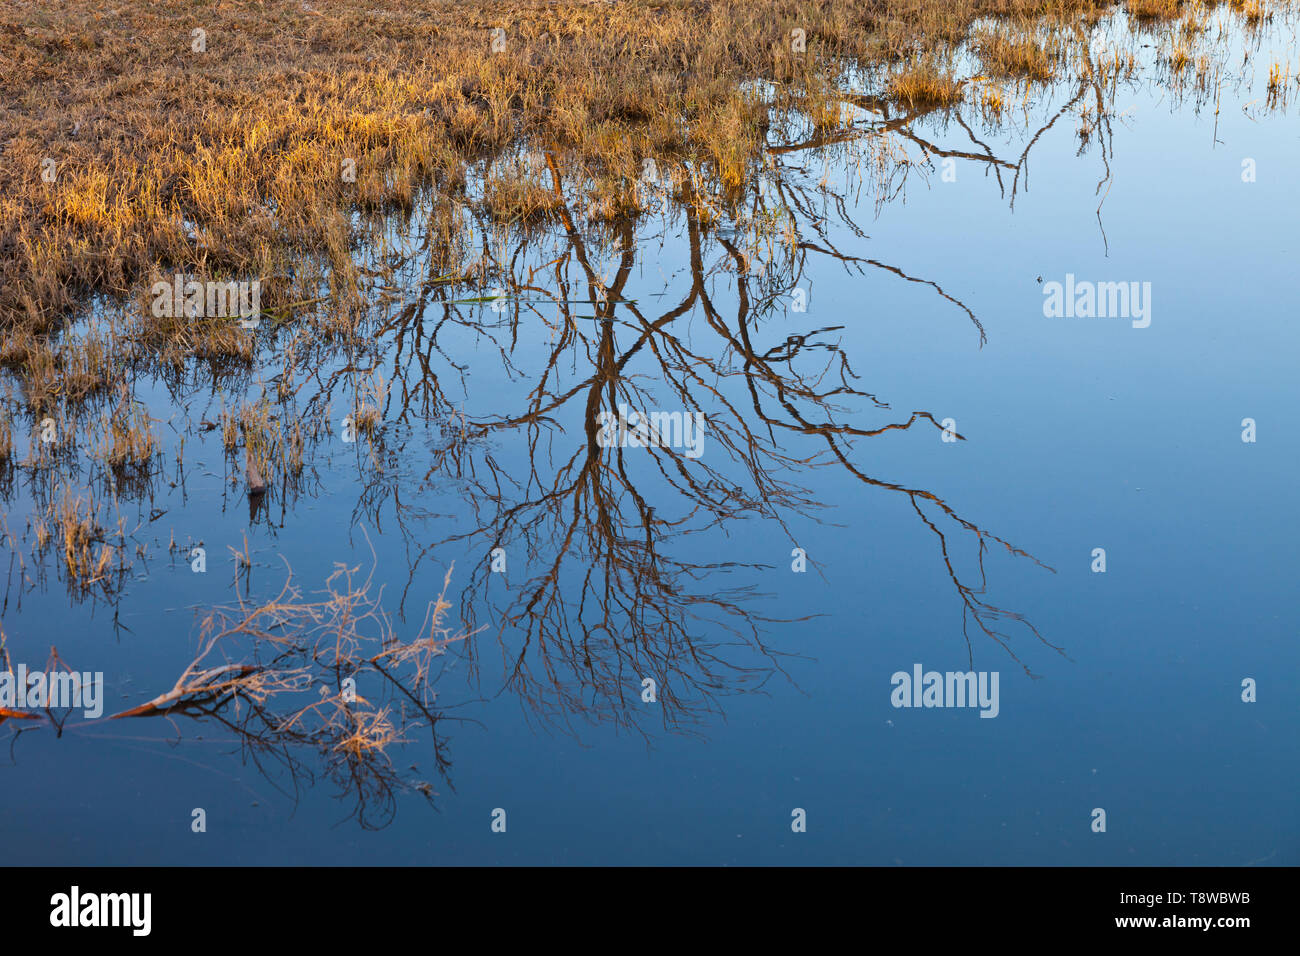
<point x="329" y="648"/>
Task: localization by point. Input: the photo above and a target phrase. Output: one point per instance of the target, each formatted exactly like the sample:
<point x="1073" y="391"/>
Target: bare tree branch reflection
<point x="616" y="587"/>
<point x="623" y="563"/>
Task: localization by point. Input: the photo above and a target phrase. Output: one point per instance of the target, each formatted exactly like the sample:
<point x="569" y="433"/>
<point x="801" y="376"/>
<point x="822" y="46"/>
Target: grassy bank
<point x="132" y="143"/>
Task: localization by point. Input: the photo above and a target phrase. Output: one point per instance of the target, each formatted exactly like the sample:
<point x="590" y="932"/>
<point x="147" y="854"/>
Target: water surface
<point x="865" y="300"/>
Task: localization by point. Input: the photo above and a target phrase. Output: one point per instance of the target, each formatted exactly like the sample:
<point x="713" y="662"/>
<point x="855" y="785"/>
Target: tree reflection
<point x="610" y="596"/>
<point x="623" y="564"/>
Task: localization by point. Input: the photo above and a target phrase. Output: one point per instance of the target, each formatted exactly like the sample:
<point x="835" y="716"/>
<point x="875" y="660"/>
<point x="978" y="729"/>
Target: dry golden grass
<point x="237" y="156"/>
<point x="86" y="557"/>
<point x="1254" y="11"/>
<point x="295" y="449"/>
<point x="992" y="101"/>
<point x="129" y="440"/>
<point x="6" y="438"/>
<point x="367" y="412"/>
<point x="925" y="84"/>
<point x="1154" y="9"/>
<point x="1014" y="55"/>
<point x="260" y="434"/>
<point x="518" y="194"/>
<point x="1279" y="84"/>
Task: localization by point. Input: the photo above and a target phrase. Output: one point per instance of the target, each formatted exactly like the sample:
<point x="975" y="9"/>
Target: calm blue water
<point x="1081" y="433"/>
